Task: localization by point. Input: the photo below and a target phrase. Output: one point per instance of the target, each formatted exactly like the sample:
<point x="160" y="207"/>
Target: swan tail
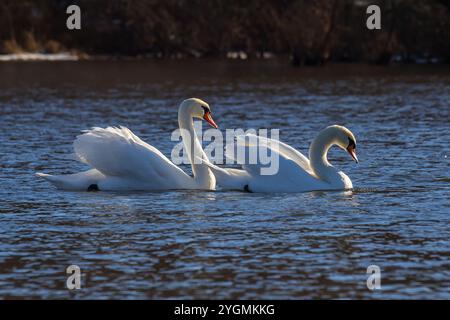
<point x="59" y="181"/>
<point x="78" y="181"/>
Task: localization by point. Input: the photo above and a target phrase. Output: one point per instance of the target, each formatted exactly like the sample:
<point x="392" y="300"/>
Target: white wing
<point x="288" y="171"/>
<point x="282" y="174"/>
<point x="120" y="153"/>
<point x="283" y="149"/>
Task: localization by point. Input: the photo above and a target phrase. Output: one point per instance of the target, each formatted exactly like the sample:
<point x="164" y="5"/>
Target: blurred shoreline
<point x="307" y="33"/>
<point x="396" y="59"/>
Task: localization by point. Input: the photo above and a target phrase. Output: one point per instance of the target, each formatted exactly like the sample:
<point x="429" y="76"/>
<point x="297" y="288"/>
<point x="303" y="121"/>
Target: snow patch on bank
<point x="64" y="56"/>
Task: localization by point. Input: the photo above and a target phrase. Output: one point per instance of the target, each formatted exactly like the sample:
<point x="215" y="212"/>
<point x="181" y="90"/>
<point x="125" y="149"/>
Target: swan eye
<point x="205" y="109"/>
<point x="351" y="143"/>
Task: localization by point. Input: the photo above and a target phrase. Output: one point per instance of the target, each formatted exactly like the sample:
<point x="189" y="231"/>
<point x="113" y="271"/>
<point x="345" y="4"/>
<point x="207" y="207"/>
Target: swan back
<point x="117" y="152"/>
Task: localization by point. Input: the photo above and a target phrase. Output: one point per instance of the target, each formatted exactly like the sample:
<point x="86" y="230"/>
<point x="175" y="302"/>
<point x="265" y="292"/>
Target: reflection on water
<point x="191" y="244"/>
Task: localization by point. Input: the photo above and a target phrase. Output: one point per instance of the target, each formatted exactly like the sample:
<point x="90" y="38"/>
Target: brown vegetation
<point x="311" y="32"/>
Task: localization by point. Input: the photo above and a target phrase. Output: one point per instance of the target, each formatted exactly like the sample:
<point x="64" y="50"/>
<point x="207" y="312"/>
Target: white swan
<point x="296" y="173"/>
<point x="122" y="161"/>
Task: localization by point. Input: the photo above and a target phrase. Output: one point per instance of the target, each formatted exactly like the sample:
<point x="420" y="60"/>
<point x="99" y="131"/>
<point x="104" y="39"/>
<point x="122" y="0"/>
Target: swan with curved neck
<point x="120" y="160"/>
<point x="203" y="177"/>
<point x="318" y="151"/>
<point x="296" y="173"/>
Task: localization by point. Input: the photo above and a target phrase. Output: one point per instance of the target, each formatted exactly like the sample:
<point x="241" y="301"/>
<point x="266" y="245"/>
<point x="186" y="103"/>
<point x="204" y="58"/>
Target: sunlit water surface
<point x="227" y="244"/>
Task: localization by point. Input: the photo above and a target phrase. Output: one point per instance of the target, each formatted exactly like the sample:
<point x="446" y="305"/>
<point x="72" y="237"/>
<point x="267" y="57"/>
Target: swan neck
<point x="203" y="177"/>
<point x="318" y="156"/>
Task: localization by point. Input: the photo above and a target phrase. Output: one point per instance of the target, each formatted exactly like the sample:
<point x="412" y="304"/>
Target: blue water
<point x="227" y="244"/>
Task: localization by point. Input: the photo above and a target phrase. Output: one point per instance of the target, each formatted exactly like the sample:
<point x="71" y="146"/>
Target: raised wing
<point x="276" y="146"/>
<point x="116" y="151"/>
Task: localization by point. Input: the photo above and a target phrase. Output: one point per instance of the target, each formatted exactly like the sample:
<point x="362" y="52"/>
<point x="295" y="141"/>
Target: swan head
<point x="199" y="109"/>
<point x="345" y="139"/>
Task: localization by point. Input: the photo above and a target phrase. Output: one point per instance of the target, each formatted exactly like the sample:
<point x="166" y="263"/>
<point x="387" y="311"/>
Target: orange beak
<point x="210" y="120"/>
<point x="352" y="152"/>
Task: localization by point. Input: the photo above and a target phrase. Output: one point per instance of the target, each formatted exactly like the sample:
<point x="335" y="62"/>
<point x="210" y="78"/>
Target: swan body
<point x="120" y="160"/>
<point x="296" y="173"/>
